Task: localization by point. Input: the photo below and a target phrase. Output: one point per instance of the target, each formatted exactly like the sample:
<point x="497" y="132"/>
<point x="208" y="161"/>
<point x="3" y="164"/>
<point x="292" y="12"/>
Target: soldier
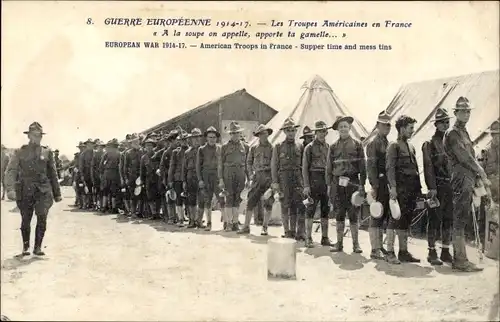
<point x="375" y="166"/>
<point x="206" y="170"/>
<point x="125" y="196"/>
<point x="232" y="176"/>
<point x="132" y="171"/>
<point x="464" y="173"/>
<point x="85" y="171"/>
<point x="77" y="179"/>
<point x="32" y="171"/>
<point x="164" y="143"/>
<point x="313" y="173"/>
<point x="175" y="175"/>
<point x="58" y="163"/>
<point x="492" y="159"/>
<point x="168" y="205"/>
<point x="149" y="178"/>
<point x="307" y="137"/>
<point x="110" y="164"/>
<point x="404" y="183"/>
<point x="345" y="174"/>
<point x="437" y="179"/>
<point x="190" y="180"/>
<point x="287" y="176"/>
<point x="5" y="162"/>
<point x="96" y="175"/>
<point x="259" y="167"/>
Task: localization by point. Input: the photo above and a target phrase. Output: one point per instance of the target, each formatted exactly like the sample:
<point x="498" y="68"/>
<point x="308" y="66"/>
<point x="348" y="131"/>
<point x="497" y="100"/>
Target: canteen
<point x="267" y="194"/>
<point x="183" y="194"/>
<point x="138" y="181"/>
<point x="343" y="181"/>
<point x="137" y="190"/>
<point x="376" y="209"/>
<point x="395" y="210"/>
<point x="308" y="201"/>
<point x="171" y="194"/>
<point x="433" y="203"/>
<point x="356" y="199"/>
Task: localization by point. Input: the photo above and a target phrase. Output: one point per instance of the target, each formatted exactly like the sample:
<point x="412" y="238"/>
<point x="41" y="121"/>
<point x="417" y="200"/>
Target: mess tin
<point x="395" y="210"/>
<point x="343" y="181"/>
<point x="356" y="199"/>
<point x="267" y="194"/>
<point x="376" y="209"/>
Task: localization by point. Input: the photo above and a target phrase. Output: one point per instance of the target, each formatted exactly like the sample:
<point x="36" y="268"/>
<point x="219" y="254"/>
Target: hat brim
<point x="306" y="135"/>
<point x="269" y="132"/>
<point x="460" y="108"/>
<point x="441" y="119"/>
<point x="384" y="121"/>
<point x="320" y="129"/>
<point x="347" y="119"/>
<point x="195" y="135"/>
<point x="290" y="127"/>
<point x="40" y="132"/>
<point x="235" y="131"/>
<point x="215" y="132"/>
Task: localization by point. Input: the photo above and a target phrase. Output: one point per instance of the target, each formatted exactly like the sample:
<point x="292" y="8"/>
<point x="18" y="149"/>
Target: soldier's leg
<point x="26" y="207"/>
<point x="286" y="201"/>
<point x="446" y="207"/>
<point x="434" y="221"/>
<point x="191" y="194"/>
<point x="239" y="186"/>
<point x="253" y="198"/>
<point x="310" y="211"/>
<point x="229" y="178"/>
<point x="105" y="194"/>
<point x="301" y="223"/>
<point x="337" y="196"/>
<point x="407" y="203"/>
<point x="179" y="203"/>
<point x="353" y="212"/>
<point x="325" y="222"/>
<point x="268" y="209"/>
<point x="42" y="206"/>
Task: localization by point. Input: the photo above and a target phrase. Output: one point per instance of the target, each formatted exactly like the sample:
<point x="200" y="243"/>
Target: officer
<point x="375" y="167"/>
<point x="175" y="175"/>
<point x="345" y="174"/>
<point x="465" y="170"/>
<point x="149" y="177"/>
<point x="131" y="171"/>
<point x="96" y="175"/>
<point x="232" y="176"/>
<point x="168" y="205"/>
<point x="259" y="168"/>
<point x="32" y="173"/>
<point x="404" y="182"/>
<point x="437" y="179"/>
<point x="5" y="162"/>
<point x="206" y="170"/>
<point x="287" y="176"/>
<point x="313" y="173"/>
<point x="307" y="137"/>
<point x="110" y="163"/>
<point x="190" y="180"/>
<point x="85" y="171"/>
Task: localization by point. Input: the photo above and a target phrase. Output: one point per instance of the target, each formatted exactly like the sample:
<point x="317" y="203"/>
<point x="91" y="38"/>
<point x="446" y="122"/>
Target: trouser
<point x="440" y="219"/>
<point x="291" y="188"/>
<point x="319" y="196"/>
<point x="376" y="229"/>
<point x="39" y="203"/>
<point x="341" y="200"/>
<point x="463" y="189"/>
<point x="234" y="182"/>
<point x="211" y="188"/>
<point x="260" y="184"/>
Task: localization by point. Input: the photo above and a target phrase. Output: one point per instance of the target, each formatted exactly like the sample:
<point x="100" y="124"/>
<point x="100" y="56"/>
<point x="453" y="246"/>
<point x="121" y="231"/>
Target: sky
<point x="56" y="70"/>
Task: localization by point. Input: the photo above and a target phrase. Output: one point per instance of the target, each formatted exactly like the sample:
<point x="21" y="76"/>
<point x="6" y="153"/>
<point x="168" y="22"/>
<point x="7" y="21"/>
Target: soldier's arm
<point x="220" y="163"/>
<point x="457" y="148"/>
<point x="81" y="163"/>
<point x="142" y="169"/>
<point x="198" y="164"/>
<point x="163" y="166"/>
<point x="171" y="167"/>
<point x="275" y="164"/>
<point x="362" y="164"/>
<point x="390" y="163"/>
<point x="120" y="166"/>
<point x="12" y="172"/>
<point x="329" y="166"/>
<point x="184" y="167"/>
<point x="250" y="160"/>
<point x="306" y="157"/>
<point x="52" y="175"/>
<point x="429" y="175"/>
<point x="371" y="164"/>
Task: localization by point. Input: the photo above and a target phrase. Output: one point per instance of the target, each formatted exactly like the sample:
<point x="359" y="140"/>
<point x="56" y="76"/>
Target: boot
<point x="325" y="241"/>
<point x="390" y="257"/>
<point x="432" y="258"/>
<point x="355" y="239"/>
<point x="286" y="223"/>
<point x="381" y="240"/>
<point x="293" y="225"/>
<point x="308" y="227"/>
<point x="228" y="213"/>
<point x="460" y="261"/>
<point x="404" y="255"/>
<point x="374" y="241"/>
<point x="39" y="234"/>
<point x="339" y="246"/>
<point x="301" y="229"/>
<point x="209" y="219"/>
<point x="25" y="234"/>
<point x="264" y="230"/>
<point x="446" y="256"/>
<point x="248" y="218"/>
<point x="467" y="267"/>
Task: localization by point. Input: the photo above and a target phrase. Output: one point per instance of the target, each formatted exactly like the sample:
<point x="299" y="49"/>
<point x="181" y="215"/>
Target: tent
<point x="317" y="102"/>
<point x="421" y="99"/>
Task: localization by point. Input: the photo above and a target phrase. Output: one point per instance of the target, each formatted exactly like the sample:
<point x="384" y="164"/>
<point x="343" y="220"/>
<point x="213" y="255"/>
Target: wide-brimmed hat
<point x="35" y="127"/>
<point x="289" y="123"/>
<point x="172" y="135"/>
<point x="211" y="129"/>
<point x="98" y="142"/>
<point x="150" y="140"/>
<point x="89" y="141"/>
<point x="320" y="126"/>
<point x="384" y="117"/>
<point x="339" y="119"/>
<point x="462" y="104"/>
<point x="306" y="132"/>
<point x="195" y="133"/>
<point x="494" y="128"/>
<point x="183" y="135"/>
<point x="262" y="128"/>
<point x="113" y="142"/>
<point x="234" y="127"/>
<point x="441" y="115"/>
<point x="133" y="138"/>
<point x="80" y="144"/>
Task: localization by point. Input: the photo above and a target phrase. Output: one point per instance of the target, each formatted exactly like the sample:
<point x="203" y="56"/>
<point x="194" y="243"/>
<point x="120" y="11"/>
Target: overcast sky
<point x="55" y="69"/>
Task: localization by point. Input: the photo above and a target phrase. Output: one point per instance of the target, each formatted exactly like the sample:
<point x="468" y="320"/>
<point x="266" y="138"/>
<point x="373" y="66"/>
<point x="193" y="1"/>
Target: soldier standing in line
<point x="85" y="171"/>
<point x="287" y="176"/>
<point x="313" y="173"/>
<point x="149" y="177"/>
<point x="58" y="163"/>
<point x="168" y="205"/>
<point x="190" y="179"/>
<point x="465" y="170"/>
<point x="307" y="137"/>
<point x="96" y="175"/>
<point x="405" y="187"/>
<point x="206" y="170"/>
<point x="345" y="174"/>
<point x="5" y="162"/>
<point x="125" y="196"/>
<point x="132" y="171"/>
<point x="78" y="183"/>
<point x="33" y="173"/>
<point x="110" y="163"/>
<point x="232" y="176"/>
<point x="437" y="179"/>
<point x="491" y="161"/>
<point x="259" y="168"/>
<point x="164" y="144"/>
<point x="375" y="166"/>
<point x="175" y="175"/>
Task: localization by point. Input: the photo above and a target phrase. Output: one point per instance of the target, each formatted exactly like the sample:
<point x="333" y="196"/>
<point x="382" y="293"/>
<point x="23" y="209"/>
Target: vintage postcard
<point x="250" y="161"/>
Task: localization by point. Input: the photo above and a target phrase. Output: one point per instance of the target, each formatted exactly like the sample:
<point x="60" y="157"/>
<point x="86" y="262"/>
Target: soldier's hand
<point x="201" y="184"/>
<point x="170" y="185"/>
<point x="432" y="194"/>
<point x="487" y="182"/>
<point x="307" y="191"/>
<point x="58" y="199"/>
<point x="393" y="194"/>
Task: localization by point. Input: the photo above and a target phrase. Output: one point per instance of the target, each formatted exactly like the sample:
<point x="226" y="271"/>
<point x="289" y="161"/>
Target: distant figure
<point x="5" y="162"/>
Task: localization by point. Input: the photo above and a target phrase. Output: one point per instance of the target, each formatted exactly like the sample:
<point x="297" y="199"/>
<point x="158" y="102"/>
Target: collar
<point x="439" y="134"/>
<point x="318" y="142"/>
<point x="459" y="125"/>
<point x="401" y="138"/>
<point x="344" y="139"/>
<point x="266" y="143"/>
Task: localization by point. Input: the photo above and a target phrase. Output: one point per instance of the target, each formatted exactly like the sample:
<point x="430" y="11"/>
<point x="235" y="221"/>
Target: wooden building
<point x="239" y="106"/>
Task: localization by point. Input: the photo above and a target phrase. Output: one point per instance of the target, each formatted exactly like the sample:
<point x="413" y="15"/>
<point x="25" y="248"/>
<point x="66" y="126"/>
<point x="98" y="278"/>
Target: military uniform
<point x="110" y="184"/>
<point x="58" y="163"/>
<point x="150" y="179"/>
<point x="492" y="160"/>
<point x="77" y="178"/>
<point x="306" y="137"/>
<point x="346" y="158"/>
<point x="375" y="168"/>
<point x="190" y="180"/>
<point x="287" y="179"/>
<point x="313" y="172"/>
<point x="33" y="173"/>
<point x="168" y="205"/>
<point x="5" y="162"/>
<point x="85" y="172"/>
<point x="132" y="171"/>
<point x="96" y="174"/>
<point x="207" y="172"/>
<point x="437" y="178"/>
<point x="175" y="175"/>
<point x="231" y="171"/>
<point x="259" y="169"/>
<point x="464" y="172"/>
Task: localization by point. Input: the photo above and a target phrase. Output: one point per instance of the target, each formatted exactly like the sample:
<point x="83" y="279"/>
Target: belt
<point x="317" y="170"/>
<point x="263" y="170"/>
<point x="233" y="165"/>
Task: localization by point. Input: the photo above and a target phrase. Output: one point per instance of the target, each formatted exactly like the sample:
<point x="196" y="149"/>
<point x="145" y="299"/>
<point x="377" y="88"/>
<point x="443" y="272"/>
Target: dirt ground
<point x="103" y="268"/>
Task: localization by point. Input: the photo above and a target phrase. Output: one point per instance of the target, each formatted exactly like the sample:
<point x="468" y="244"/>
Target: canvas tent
<point x="420" y="101"/>
<point x="317" y="102"/>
